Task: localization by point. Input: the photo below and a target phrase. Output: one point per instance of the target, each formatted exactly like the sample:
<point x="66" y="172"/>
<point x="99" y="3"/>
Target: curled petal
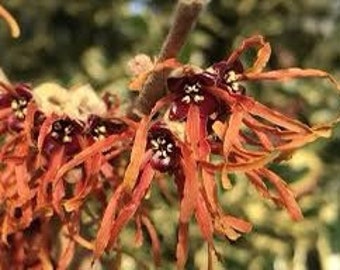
<point x="103" y="235"/>
<point x="254" y="41"/>
<point x="262" y="59"/>
<point x="182" y="245"/>
<point x="155" y="243"/>
<point x="131" y="207"/>
<point x="278" y="118"/>
<point x="287" y="196"/>
<point x="67" y="255"/>
<point x="137" y="155"/>
<point x="12" y="23"/>
<point x="232" y="132"/>
<point x="242" y="166"/>
<point x="289" y="73"/>
<point x="89" y="152"/>
<point x="204" y="220"/>
<point x="22" y="178"/>
<point x="190" y="192"/>
<point x="194" y="128"/>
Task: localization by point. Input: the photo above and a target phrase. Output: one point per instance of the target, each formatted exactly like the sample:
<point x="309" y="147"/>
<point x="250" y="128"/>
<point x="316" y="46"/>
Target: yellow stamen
<point x="12" y="23"/>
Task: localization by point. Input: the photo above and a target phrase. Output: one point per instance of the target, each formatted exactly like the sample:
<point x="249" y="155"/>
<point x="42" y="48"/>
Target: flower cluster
<point x="60" y="150"/>
<point x="205" y="127"/>
<point x="51" y="161"/>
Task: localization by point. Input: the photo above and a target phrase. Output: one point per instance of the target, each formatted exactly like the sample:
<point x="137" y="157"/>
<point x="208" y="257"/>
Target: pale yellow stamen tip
<point x="12" y="23"/>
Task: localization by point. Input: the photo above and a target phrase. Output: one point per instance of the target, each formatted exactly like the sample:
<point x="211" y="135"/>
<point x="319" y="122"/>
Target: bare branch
<point x="185" y="17"/>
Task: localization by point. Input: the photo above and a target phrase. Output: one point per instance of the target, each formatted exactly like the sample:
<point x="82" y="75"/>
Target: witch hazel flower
<point x="164" y="153"/>
<point x="14" y="100"/>
<point x="52" y="151"/>
<point x="248" y="136"/>
<point x="190" y="85"/>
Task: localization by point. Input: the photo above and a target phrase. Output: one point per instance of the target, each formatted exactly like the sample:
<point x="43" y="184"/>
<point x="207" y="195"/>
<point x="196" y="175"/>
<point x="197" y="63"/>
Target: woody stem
<point x="185" y="16"/>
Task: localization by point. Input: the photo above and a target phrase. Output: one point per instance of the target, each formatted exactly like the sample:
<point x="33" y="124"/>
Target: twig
<point x="185" y="17"/>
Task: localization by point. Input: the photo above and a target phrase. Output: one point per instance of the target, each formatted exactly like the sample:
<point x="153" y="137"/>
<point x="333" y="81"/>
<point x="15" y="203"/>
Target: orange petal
<point x="237" y="223"/>
<point x="22" y="178"/>
<point x="251" y="164"/>
<point x="29" y="121"/>
<point x="90" y="151"/>
<point x="232" y="132"/>
<point x="278" y="118"/>
<point x="219" y="128"/>
<point x="137" y="155"/>
<point x="193" y="128"/>
<point x="182" y="245"/>
<point x="258" y="184"/>
<point x="58" y="193"/>
<point x="226" y="184"/>
<point x="48" y="176"/>
<point x="204" y="220"/>
<point x="290" y="73"/>
<point x="262" y="59"/>
<point x="250" y="42"/>
<point x="139" y="232"/>
<point x="285" y="193"/>
<point x="103" y="235"/>
<point x="12" y="23"/>
<point x="67" y="255"/>
<point x="210" y="190"/>
<point x="155" y="243"/>
<point x="131" y="207"/>
<point x="190" y="192"/>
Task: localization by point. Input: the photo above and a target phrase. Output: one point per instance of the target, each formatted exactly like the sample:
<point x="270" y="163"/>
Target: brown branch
<point x="185" y="17"/>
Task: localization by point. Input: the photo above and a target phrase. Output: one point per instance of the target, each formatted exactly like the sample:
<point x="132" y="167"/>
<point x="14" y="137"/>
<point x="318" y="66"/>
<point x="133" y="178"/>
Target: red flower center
<point x="163" y="148"/>
<point x="100" y="128"/>
<point x="62" y="131"/>
<point x="19" y="107"/>
<point x="193" y="93"/>
<point x="230" y="79"/>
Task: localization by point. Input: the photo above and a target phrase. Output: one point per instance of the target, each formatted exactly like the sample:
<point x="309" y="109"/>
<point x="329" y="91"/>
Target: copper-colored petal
<point x="139" y="232"/>
<point x="254" y="41"/>
<point x="232" y="132"/>
<point x="278" y="118"/>
<point x="237" y="223"/>
<point x="137" y="155"/>
<point x="182" y="245"/>
<point x="22" y="179"/>
<point x="290" y="73"/>
<point x="12" y="23"/>
<point x="204" y="220"/>
<point x="193" y="128"/>
<point x="190" y="191"/>
<point x="285" y="193"/>
<point x="226" y="183"/>
<point x="67" y="255"/>
<point x="155" y="243"/>
<point x="103" y="235"/>
<point x="262" y="59"/>
<point x="131" y="207"/>
<point x="258" y="183"/>
<point x="90" y="151"/>
<point x="210" y="191"/>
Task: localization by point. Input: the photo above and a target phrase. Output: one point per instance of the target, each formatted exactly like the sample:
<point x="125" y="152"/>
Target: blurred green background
<point x="81" y="41"/>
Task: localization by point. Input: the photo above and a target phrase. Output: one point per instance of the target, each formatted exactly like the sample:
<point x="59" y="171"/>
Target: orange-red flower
<point x="53" y="158"/>
<point x="164" y="152"/>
